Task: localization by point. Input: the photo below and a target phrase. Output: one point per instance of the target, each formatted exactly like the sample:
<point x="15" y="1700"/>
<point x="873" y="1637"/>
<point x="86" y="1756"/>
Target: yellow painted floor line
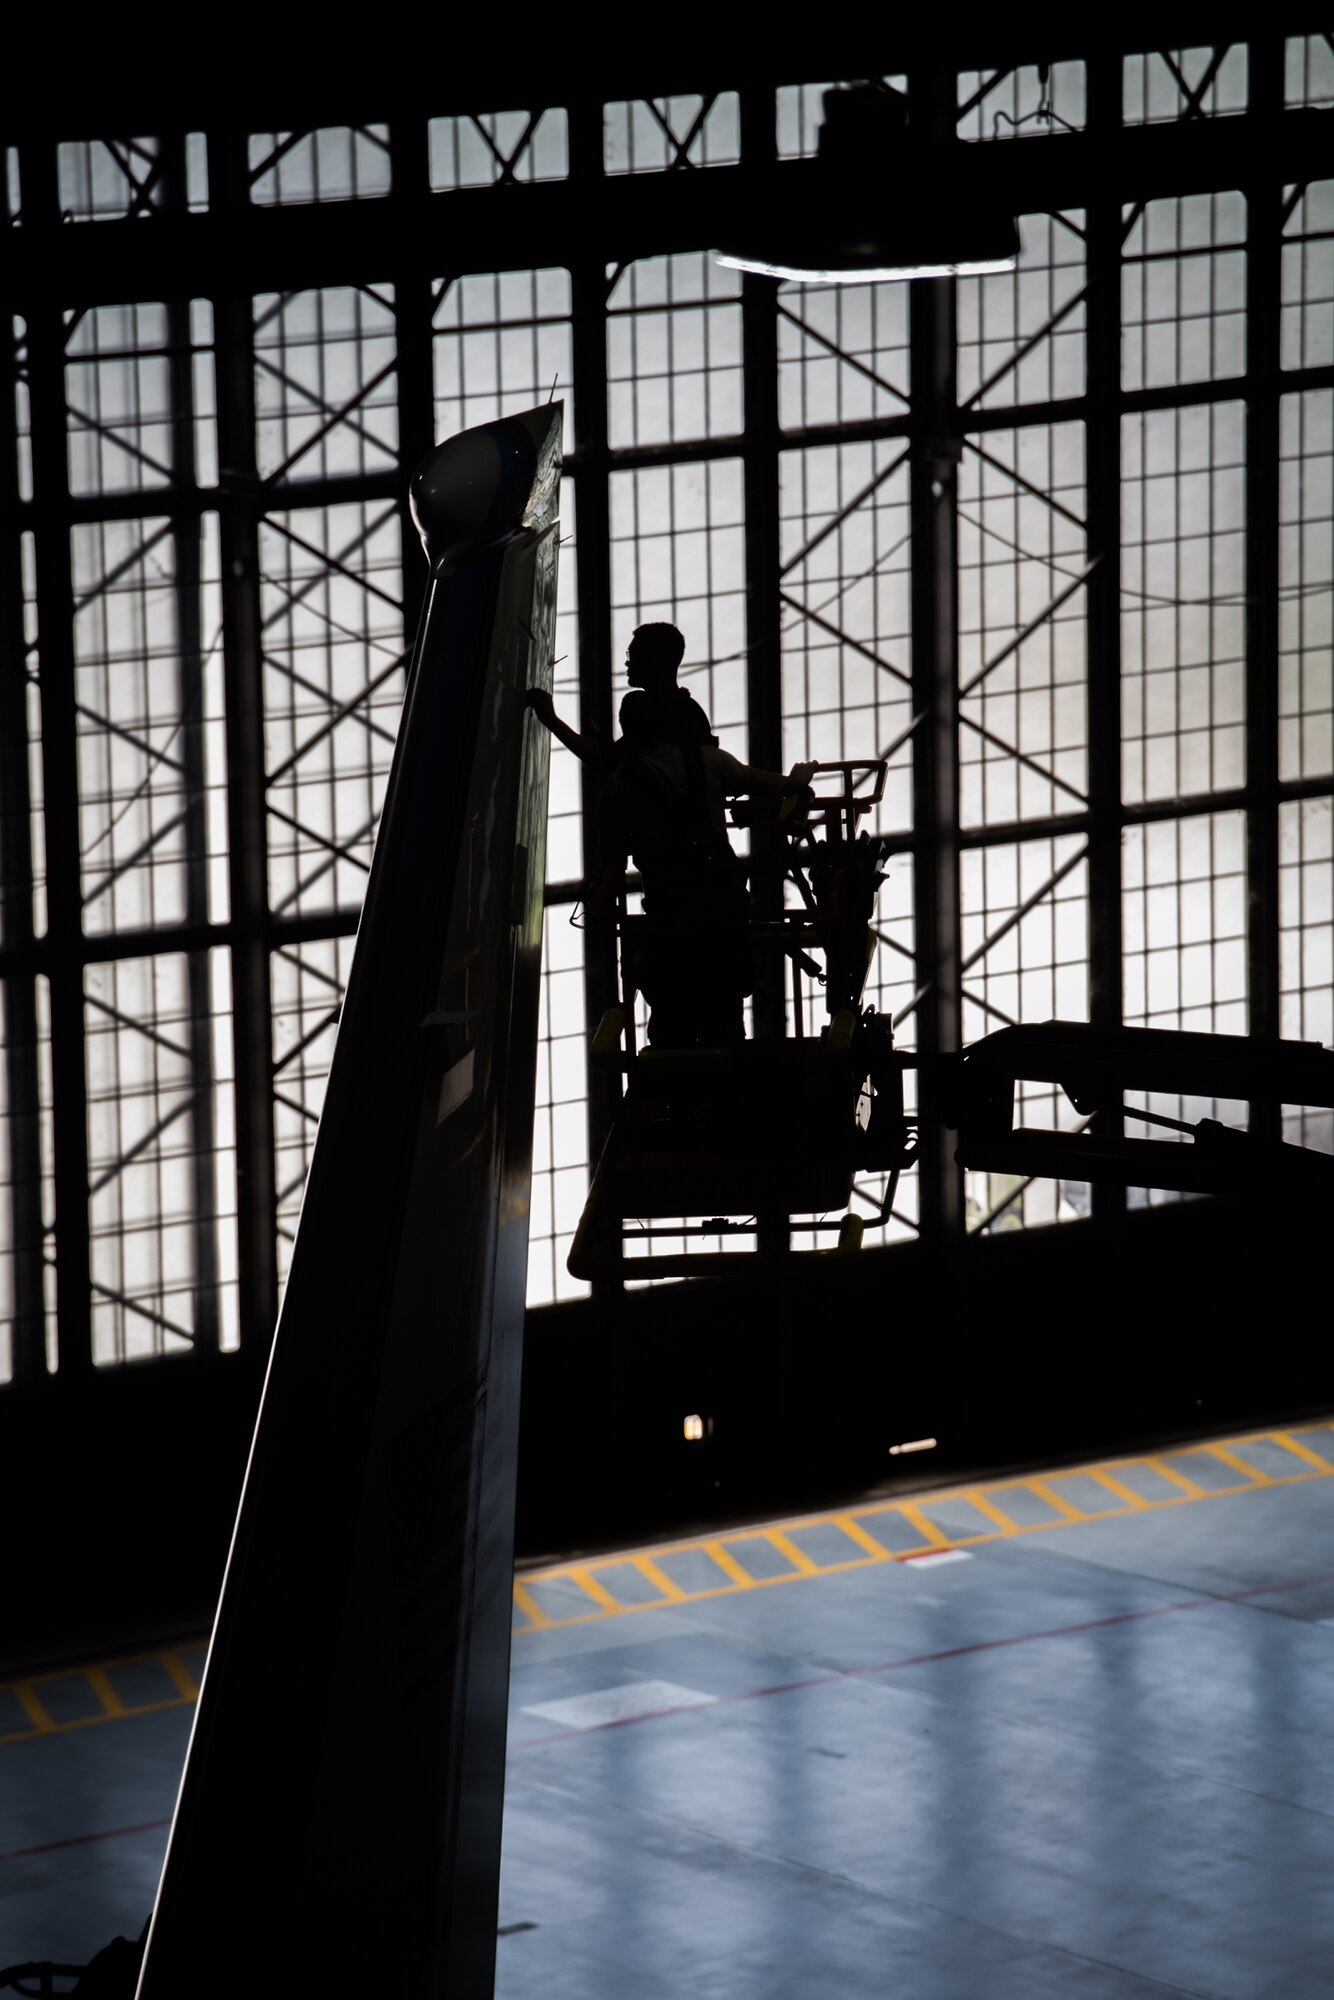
<point x="596" y="1589"/>
<point x="180" y="1676"/>
<point x="528" y="1604"/>
<point x="1175" y="1478"/>
<point x="728" y="1564"/>
<point x="659" y="1578"/>
<point x="986" y="1506"/>
<point x="41" y="1723"/>
<point x="1226" y="1457"/>
<point x="111" y="1706"/>
<point x="933" y="1536"/>
<point x="1053" y="1499"/>
<point x="855" y="1532"/>
<point x="910" y="1513"/>
<point x="1125" y="1494"/>
<point x="99" y="1680"/>
<point x="908" y="1531"/>
<point x="1300" y="1450"/>
<point x="788" y="1549"/>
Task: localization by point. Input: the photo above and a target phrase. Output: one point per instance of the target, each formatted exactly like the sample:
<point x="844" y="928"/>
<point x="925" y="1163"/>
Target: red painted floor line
<point x="83" y="1839"/>
<point x="796" y="1687"/>
<point x="928" y="1659"/>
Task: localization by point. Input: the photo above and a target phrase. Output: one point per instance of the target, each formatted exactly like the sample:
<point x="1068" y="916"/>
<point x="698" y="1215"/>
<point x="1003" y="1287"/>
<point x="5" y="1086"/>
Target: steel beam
<point x="764" y="664"/>
<point x="60" y="786"/>
<point x="521" y="225"/>
<point x="597" y="668"/>
<point x="1102" y="459"/>
<point x="190" y="699"/>
<point x="1264" y="229"/>
<point x="24" y="1192"/>
<point x="239" y="507"/>
<point x="934" y="483"/>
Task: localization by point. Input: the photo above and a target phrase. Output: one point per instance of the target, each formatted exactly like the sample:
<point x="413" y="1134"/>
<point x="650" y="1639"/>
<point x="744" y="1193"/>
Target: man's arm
<point x="741" y="778"/>
<point x="587" y="749"/>
<point x="774" y="785"/>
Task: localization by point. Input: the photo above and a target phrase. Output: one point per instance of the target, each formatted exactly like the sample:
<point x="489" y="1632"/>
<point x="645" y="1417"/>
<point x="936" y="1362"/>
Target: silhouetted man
<point x="664" y="804"/>
<point x="656" y="706"/>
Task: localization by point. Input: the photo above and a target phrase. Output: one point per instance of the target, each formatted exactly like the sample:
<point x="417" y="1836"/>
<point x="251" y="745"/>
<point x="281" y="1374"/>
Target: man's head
<point x="653" y="656"/>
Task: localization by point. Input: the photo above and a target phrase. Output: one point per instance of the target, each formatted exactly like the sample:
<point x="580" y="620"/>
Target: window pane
<point x="678" y="553"/>
<point x="1023" y="744"/>
<point x="1183" y="617"/>
<point x="674" y="352"/>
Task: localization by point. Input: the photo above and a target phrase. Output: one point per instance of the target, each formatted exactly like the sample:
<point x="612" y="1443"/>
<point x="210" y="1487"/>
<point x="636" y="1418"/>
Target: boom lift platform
<point x="779" y="1130"/>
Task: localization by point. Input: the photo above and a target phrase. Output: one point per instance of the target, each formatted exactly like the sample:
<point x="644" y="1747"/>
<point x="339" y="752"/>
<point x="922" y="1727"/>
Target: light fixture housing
<point x="883" y="206"/>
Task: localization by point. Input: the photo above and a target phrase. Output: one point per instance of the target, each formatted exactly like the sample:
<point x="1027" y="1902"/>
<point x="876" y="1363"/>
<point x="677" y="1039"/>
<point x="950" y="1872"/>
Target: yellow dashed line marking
<point x="1175" y="1478"/>
<point x="111" y="1706"/>
<point x="42" y="1723"/>
<point x="649" y="1570"/>
<point x="1053" y="1499"/>
<point x="595" y="1589"/>
<point x="1227" y="1457"/>
<point x="1125" y="1494"/>
<point x="935" y="1537"/>
<point x="988" y="1500"/>
<point x="99" y="1681"/>
<point x="797" y="1557"/>
<point x="907" y="1516"/>
<point x="180" y="1676"/>
<point x="1302" y="1451"/>
<point x="855" y="1532"/>
<point x="988" y="1509"/>
<point x="728" y="1564"/>
<point x="528" y="1604"/>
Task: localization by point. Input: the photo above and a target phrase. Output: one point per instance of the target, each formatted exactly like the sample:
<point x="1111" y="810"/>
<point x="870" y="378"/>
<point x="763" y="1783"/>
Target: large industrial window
<point x="1072" y="523"/>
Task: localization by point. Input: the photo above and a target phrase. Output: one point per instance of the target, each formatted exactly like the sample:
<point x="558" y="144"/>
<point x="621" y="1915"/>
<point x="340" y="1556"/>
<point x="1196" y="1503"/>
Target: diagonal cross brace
<point x="1030" y="903"/>
<point x="335" y="417"/>
<point x="857" y="645"/>
<point x="338" y="715"/>
<point x="1033" y="625"/>
<point x="1022" y="757"/>
<point x="849" y="360"/>
<point x="836" y="520"/>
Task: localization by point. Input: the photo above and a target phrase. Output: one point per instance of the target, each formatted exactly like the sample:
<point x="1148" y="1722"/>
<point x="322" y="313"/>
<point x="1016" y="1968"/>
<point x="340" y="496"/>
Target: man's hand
<point x="543" y="707"/>
<point x="801" y="774"/>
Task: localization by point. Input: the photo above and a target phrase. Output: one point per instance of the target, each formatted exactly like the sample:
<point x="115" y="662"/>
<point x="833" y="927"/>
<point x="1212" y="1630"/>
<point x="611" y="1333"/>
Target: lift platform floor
<point x="1068" y="1735"/>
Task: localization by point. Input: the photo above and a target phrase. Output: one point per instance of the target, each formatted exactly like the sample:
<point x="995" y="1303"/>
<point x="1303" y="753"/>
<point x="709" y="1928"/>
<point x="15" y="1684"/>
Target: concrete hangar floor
<point x="1067" y="1735"/>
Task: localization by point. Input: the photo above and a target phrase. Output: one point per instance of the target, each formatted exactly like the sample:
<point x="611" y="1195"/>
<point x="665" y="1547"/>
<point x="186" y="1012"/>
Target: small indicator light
<point x="693" y="1428"/>
<point x="916" y="1444"/>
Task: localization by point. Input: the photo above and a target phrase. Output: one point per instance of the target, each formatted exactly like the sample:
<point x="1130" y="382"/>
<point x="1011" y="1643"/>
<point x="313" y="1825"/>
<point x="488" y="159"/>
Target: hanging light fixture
<point x="882" y="206"/>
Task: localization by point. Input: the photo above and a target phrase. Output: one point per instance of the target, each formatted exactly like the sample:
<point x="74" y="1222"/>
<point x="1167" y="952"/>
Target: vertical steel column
<point x="16" y="934"/>
<point x="934" y="482"/>
<point x="759" y="450"/>
<point x="55" y="606"/>
<point x="1102" y="447"/>
<point x="410" y="165"/>
<point x="187" y="536"/>
<point x="764" y="670"/>
<point x="239" y="506"/>
<point x="1264" y="196"/>
<point x="588" y="275"/>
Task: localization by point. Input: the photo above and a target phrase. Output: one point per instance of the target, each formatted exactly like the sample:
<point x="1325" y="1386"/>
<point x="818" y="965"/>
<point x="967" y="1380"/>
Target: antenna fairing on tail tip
<point x="477" y="489"/>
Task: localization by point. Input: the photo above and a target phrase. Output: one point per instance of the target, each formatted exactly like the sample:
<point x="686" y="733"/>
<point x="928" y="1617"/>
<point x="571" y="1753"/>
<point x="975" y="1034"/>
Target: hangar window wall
<point x="1059" y="544"/>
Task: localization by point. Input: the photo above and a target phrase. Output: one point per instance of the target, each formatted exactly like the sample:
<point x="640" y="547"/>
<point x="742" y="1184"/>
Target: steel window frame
<point x="516" y="227"/>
